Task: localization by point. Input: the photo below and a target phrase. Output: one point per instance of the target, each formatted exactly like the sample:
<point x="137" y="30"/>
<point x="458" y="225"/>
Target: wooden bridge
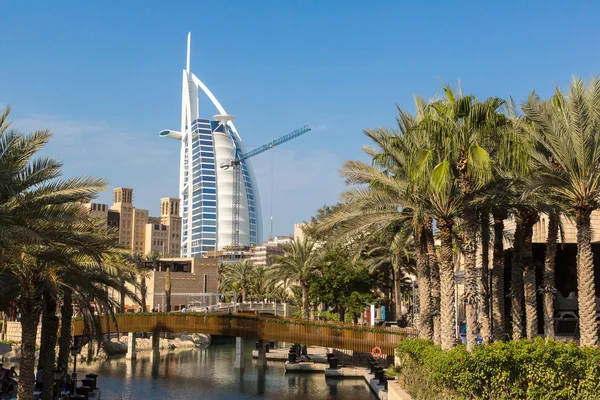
<point x="326" y="334"/>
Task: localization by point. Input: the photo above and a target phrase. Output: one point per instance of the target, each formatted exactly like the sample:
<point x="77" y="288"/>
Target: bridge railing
<point x="327" y="334"/>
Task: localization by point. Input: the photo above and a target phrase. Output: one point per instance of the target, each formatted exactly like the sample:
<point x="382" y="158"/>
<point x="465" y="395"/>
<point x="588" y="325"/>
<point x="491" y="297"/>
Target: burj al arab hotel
<point x="205" y="189"/>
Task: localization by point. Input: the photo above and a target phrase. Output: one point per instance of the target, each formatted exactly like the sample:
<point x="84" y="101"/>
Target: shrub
<point x="544" y="370"/>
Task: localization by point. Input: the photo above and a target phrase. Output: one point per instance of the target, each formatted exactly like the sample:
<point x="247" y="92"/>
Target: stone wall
<point x="13" y="332"/>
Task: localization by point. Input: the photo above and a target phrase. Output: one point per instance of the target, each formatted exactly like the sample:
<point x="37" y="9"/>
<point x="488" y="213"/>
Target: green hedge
<point x="540" y="370"/>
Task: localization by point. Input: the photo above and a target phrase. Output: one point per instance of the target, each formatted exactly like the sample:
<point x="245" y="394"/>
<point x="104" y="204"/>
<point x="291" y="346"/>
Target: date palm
<point x="35" y="208"/>
<point x="463" y="129"/>
<point x="240" y="273"/>
<point x="298" y="264"/>
<point x="568" y="129"/>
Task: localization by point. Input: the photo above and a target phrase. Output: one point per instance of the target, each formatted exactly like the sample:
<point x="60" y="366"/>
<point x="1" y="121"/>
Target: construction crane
<point x="236" y="164"/>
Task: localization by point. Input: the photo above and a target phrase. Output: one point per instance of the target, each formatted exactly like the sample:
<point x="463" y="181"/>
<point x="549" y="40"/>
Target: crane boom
<point x="237" y="180"/>
<point x="273" y="143"/>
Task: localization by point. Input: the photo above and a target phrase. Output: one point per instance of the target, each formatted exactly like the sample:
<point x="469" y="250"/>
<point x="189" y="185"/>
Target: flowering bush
<point x="540" y="370"/>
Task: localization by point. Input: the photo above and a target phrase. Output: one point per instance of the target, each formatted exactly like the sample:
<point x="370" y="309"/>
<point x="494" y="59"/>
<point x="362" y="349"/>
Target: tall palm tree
<point x="548" y="287"/>
<point x="143" y="273"/>
<point x="568" y="129"/>
<point x="299" y="263"/>
<point x="463" y="127"/>
<point x="35" y="209"/>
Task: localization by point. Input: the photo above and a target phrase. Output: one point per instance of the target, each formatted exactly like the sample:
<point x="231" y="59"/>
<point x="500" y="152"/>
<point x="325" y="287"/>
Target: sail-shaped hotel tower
<point x="205" y="189"/>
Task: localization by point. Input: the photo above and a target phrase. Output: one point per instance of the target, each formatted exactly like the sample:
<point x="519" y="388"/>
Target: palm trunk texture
<point x="484" y="305"/>
<point x="305" y="305"/>
<point x="122" y="298"/>
<point x="30" y="306"/>
<point x="549" y="281"/>
<point x="586" y="287"/>
<point x="498" y="313"/>
<point x="471" y="278"/>
<point x="516" y="283"/>
<point x="64" y="342"/>
<point x="447" y="310"/>
<point x="397" y="294"/>
<point x="143" y="291"/>
<point x="529" y="283"/>
<point x="435" y="284"/>
<point x="168" y="289"/>
<point x="424" y="281"/>
<point x="49" y="336"/>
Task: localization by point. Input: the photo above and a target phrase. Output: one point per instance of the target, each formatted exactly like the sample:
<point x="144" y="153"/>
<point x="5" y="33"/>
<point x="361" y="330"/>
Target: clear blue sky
<point x="105" y="76"/>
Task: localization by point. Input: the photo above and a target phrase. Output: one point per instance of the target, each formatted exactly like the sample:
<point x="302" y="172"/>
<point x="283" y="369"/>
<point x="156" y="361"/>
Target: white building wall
<point x="224" y="152"/>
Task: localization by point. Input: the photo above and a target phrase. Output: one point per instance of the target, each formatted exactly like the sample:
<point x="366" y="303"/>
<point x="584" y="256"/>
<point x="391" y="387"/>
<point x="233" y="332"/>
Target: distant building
<point x="138" y="231"/>
<point x="194" y="281"/>
<point x="261" y="256"/>
<point x="299" y="231"/>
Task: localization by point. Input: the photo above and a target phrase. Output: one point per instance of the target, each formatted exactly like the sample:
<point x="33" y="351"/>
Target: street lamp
<point x="58" y="374"/>
<point x="75" y="351"/>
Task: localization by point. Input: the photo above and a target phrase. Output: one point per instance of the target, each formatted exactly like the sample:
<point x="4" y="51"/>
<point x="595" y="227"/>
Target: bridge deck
<point x="336" y="335"/>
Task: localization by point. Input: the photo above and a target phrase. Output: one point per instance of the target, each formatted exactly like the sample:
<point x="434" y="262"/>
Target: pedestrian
<point x="39" y="377"/>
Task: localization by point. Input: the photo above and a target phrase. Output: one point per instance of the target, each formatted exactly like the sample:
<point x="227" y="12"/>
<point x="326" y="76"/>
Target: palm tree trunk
<point x="122" y="297"/>
<point x="529" y="284"/>
<point x="447" y="310"/>
<point x="30" y="306"/>
<point x="486" y="323"/>
<point x="471" y="279"/>
<point x="49" y="335"/>
<point x="550" y="258"/>
<point x="424" y="281"/>
<point x="499" y="317"/>
<point x="435" y="284"/>
<point x="143" y="292"/>
<point x="516" y="283"/>
<point x="586" y="287"/>
<point x="305" y="306"/>
<point x="64" y="342"/>
<point x="168" y="289"/>
<point x="397" y="293"/>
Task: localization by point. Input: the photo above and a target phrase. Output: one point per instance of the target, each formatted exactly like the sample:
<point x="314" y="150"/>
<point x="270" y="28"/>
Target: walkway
<point x="334" y="335"/>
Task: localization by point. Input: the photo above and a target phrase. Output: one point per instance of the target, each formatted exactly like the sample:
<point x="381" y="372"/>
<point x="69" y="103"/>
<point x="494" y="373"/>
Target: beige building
<point x="262" y="254"/>
<point x="169" y="217"/>
<point x="138" y="231"/>
<point x="298" y="231"/>
<point x="193" y="281"/>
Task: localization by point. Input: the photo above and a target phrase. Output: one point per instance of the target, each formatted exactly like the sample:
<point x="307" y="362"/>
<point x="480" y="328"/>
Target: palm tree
<point x="36" y="209"/>
<point x="168" y="289"/>
<point x="240" y="272"/>
<point x="548" y="288"/>
<point x="568" y="129"/>
<point x="460" y="125"/>
<point x="299" y="263"/>
<point x="389" y="251"/>
<point x="143" y="273"/>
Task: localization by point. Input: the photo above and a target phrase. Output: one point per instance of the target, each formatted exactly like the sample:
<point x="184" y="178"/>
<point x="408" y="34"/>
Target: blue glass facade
<point x="203" y="213"/>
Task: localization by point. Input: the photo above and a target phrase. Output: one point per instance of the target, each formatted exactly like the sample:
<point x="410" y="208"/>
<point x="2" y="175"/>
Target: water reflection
<point x="210" y="374"/>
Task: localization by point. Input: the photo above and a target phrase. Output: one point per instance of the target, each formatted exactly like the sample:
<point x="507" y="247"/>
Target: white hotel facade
<point x="205" y="189"/>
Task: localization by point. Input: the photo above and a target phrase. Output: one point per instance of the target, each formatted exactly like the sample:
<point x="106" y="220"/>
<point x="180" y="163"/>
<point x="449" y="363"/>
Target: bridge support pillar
<point x="131" y="346"/>
<point x="262" y="353"/>
<point x="155" y="342"/>
<point x="239" y="353"/>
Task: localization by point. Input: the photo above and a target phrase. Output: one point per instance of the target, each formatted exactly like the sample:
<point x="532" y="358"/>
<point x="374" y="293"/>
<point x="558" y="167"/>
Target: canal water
<point x="210" y="374"/>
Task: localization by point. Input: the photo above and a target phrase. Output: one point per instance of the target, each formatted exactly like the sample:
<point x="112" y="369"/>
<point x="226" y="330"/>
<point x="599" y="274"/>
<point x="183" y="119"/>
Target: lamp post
<point x="58" y="374"/>
<point x="75" y="351"/>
